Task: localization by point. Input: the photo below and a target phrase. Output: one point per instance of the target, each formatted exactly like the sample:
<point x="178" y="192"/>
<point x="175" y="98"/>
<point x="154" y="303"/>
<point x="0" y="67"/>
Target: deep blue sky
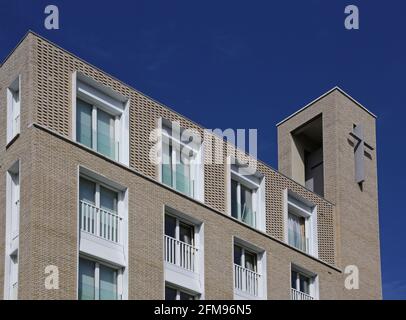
<point x="250" y="63"/>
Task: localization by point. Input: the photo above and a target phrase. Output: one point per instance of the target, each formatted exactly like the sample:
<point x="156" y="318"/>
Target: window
<point x="242" y="202"/>
<point x="180" y="248"/>
<point x="301" y="221"/>
<point x="172" y="293"/>
<point x="12" y="230"/>
<point x="15" y="203"/>
<point x="13" y="110"/>
<point x="300" y="282"/>
<point x="183" y="254"/>
<point x="101" y="119"/>
<point x="96" y="129"/>
<point x="13" y="288"/>
<point x="246" y="276"/>
<point x="99" y="210"/>
<point x="247" y="198"/>
<point x="244" y="258"/>
<point x="303" y="285"/>
<point x="297" y="232"/>
<point x="98" y="281"/>
<point x="180" y="167"/>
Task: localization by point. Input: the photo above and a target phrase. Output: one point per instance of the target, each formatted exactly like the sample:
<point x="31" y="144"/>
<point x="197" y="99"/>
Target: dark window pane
<point x="294" y="277"/>
<point x="108" y="283"/>
<point x="250" y="261"/>
<point x="186" y="233"/>
<point x="86" y="279"/>
<point x="87" y="190"/>
<point x="108" y="199"/>
<point x="234" y="204"/>
<point x="246" y="205"/>
<point x="84" y="123"/>
<point x="237" y="255"/>
<point x="105" y="134"/>
<point x="304" y="283"/>
<point x="170" y="226"/>
<point x="186" y="296"/>
<point x="167" y="164"/>
<point x="170" y="293"/>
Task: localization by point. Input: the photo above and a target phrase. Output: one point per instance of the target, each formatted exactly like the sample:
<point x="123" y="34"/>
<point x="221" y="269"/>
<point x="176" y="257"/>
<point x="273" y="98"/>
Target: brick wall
<point x="54" y="80"/>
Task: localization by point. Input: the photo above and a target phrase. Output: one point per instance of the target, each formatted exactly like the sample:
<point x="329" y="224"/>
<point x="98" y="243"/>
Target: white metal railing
<point x="246" y="280"/>
<point x="299" y="295"/>
<point x="180" y="253"/>
<point x="99" y="222"/>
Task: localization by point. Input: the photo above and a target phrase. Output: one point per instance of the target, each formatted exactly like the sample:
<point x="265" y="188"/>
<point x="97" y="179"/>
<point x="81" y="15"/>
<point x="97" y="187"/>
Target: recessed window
<point x="249" y="272"/>
<point x="180" y="248"/>
<point x="101" y="119"/>
<point x="183" y="255"/>
<point x="246" y="271"/>
<point x="247" y="201"/>
<point x="99" y="214"/>
<point x="98" y="281"/>
<point x="100" y="136"/>
<point x="13" y="109"/>
<point x="181" y="162"/>
<point x="173" y="293"/>
<point x="13" y="289"/>
<point x="298" y="236"/>
<point x="242" y="202"/>
<point x="12" y="231"/>
<point x="303" y="285"/>
<point x="301" y="221"/>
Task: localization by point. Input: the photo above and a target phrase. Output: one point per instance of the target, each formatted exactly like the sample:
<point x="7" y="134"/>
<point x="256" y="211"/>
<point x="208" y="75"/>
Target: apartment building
<point x="79" y="194"/>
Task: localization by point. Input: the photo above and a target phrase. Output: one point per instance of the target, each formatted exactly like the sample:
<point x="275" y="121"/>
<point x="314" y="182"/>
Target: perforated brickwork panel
<point x="52" y="97"/>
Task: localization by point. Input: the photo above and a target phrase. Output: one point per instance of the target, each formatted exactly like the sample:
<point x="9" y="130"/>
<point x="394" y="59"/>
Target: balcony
<point x="100" y="223"/>
<point x="102" y="233"/>
<point x="180" y="254"/>
<point x="298" y="295"/>
<point x="246" y="280"/>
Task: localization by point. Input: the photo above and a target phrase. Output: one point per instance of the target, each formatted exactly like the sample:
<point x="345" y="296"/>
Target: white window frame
<point x="176" y="275"/>
<point x="313" y="283"/>
<point x="261" y="270"/>
<point x="178" y="221"/>
<point x="115" y="254"/>
<point x="196" y="164"/>
<point x="13" y="109"/>
<point x="243" y="249"/>
<point x="97" y="264"/>
<point x="302" y="208"/>
<point x="254" y="182"/>
<point x="11" y="261"/>
<point x="109" y="101"/>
